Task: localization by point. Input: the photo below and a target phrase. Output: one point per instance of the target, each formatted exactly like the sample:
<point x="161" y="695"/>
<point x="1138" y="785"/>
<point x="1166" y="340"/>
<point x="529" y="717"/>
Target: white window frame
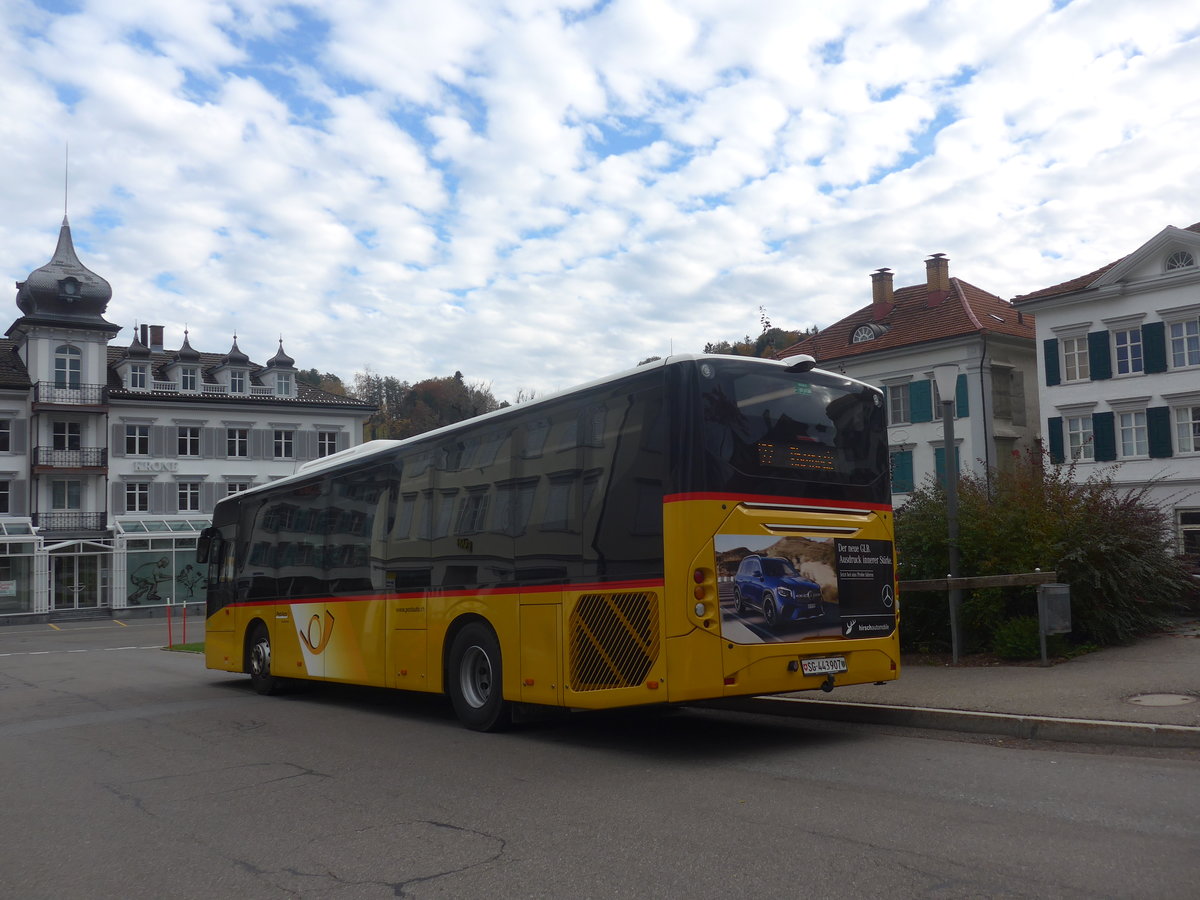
<point x="237" y="381"/>
<point x="1183" y="342"/>
<point x="188" y="495"/>
<point x="285" y="443"/>
<point x="1076" y="365"/>
<point x="899" y="404"/>
<point x="61" y="499"/>
<point x="326" y="443"/>
<point x="283" y="384"/>
<point x="137" y="437"/>
<point x="189" y="379"/>
<point x="139" y="376"/>
<point x="1133" y="436"/>
<point x="137" y="496"/>
<point x="1134" y="361"/>
<point x="238" y="440"/>
<point x="1187" y="428"/>
<point x="187" y="440"/>
<point x="1080" y="441"/>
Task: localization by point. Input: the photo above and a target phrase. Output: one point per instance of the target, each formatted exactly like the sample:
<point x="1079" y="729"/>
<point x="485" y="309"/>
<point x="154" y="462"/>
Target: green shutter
<point x="1054" y="431"/>
<point x="920" y="399"/>
<point x="1158" y="427"/>
<point x="1050" y="356"/>
<point x="1104" y="436"/>
<point x="902" y="472"/>
<point x="962" y="403"/>
<point x="1099" y="358"/>
<point x="1154" y="347"/>
<point x="939" y="464"/>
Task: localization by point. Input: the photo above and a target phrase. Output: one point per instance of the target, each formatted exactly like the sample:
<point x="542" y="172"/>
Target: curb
<point x="1027" y="727"/>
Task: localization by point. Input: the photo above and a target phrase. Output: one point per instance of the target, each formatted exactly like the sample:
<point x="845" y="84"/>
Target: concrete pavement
<point x="1145" y="694"/>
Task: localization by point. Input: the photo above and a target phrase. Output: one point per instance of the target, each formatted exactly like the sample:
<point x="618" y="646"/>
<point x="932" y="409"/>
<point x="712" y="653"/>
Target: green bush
<point x="1111" y="546"/>
<point x="1017" y="638"/>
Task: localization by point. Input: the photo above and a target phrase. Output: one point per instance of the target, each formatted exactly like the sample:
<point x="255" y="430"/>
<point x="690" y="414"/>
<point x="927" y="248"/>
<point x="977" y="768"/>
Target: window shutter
<point x="1158" y="427"/>
<point x="962" y="403"/>
<point x="343" y="440"/>
<point x="118" y="498"/>
<point x="17" y="439"/>
<point x="1054" y="434"/>
<point x="208" y="495"/>
<point x="161" y="502"/>
<point x="920" y="398"/>
<point x="1050" y="358"/>
<point x="158" y="441"/>
<point x="258" y="443"/>
<point x="306" y="444"/>
<point x="1104" y="436"/>
<point x="939" y="464"/>
<point x="116" y="445"/>
<point x="18" y="497"/>
<point x="210" y="441"/>
<point x="1154" y="347"/>
<point x="902" y="472"/>
<point x="1099" y="358"/>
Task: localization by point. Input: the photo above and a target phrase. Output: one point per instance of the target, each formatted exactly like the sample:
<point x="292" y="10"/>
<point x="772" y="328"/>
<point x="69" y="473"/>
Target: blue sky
<point x="537" y="194"/>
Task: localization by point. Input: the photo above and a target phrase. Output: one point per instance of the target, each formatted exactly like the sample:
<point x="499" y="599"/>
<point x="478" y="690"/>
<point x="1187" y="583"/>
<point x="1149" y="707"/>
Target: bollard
<point x="170" y="633"/>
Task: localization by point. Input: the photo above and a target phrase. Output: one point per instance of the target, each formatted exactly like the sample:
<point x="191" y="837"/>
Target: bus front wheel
<point x="474" y="679"/>
<point x="258" y="661"/>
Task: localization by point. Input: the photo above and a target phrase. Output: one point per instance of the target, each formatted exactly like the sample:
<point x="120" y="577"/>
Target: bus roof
<point x="374" y="448"/>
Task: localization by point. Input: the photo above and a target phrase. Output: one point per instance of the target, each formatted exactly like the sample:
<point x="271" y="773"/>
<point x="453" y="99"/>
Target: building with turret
<point x="113" y="454"/>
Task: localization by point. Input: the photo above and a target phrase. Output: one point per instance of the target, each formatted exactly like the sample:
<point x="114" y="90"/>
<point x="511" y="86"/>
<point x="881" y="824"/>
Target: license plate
<point x="823" y="665"/>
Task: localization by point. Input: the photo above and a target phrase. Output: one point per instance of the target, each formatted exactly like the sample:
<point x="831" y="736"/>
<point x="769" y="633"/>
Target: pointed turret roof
<point x="186" y="353"/>
<point x="235" y="357"/>
<point x="281" y="360"/>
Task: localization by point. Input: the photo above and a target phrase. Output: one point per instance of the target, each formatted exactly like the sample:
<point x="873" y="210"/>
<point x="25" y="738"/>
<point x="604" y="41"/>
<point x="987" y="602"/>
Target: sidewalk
<point x="1146" y="694"/>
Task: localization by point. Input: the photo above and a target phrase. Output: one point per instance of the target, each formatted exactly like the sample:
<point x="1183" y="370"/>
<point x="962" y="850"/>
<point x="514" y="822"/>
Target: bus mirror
<point x="204" y="544"/>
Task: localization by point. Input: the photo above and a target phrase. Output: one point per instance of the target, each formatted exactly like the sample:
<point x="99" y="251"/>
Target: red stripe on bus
<point x="772" y="498"/>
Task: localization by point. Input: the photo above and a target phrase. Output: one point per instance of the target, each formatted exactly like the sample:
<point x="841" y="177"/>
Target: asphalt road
<point x="134" y="772"/>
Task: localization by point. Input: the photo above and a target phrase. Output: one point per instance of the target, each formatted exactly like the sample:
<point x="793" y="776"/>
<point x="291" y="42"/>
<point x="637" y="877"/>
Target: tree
<point x="1112" y="546"/>
<point x="410" y="409"/>
<point x="770" y="341"/>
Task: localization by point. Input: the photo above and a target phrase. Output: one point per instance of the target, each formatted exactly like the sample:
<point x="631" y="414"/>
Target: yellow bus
<point x="699" y="527"/>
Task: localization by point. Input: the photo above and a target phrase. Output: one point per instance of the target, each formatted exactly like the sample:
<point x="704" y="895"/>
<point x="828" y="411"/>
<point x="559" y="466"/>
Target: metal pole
<point x="952" y="521"/>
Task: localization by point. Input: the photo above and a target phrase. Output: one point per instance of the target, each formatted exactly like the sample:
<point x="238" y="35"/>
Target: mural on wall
<point x="775" y="589"/>
<point x="158" y="577"/>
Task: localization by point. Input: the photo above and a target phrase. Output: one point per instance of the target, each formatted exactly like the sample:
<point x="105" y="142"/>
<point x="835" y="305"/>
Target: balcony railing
<point x="164" y="386"/>
<point x="74" y="395"/>
<point x="70" y="521"/>
<point x="214" y="389"/>
<point x="80" y="458"/>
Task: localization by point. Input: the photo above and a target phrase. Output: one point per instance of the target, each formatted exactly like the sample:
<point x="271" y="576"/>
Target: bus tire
<point x="474" y="679"/>
<point x="770" y="610"/>
<point x="258" y="661"/>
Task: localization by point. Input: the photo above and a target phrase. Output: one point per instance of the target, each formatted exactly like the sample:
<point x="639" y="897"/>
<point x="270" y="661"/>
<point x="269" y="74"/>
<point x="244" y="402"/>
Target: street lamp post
<point x="946" y="377"/>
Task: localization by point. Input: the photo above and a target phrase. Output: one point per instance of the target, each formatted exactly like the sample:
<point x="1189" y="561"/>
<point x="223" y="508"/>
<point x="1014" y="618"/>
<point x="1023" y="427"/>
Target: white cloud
<point x="537" y="194"/>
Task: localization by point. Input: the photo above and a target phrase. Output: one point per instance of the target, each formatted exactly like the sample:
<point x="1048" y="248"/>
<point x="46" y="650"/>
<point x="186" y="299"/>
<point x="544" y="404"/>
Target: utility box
<point x="1054" y="613"/>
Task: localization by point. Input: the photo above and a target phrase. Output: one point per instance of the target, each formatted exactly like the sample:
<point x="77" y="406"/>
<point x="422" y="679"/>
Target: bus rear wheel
<point x="258" y="661"/>
<point x="474" y="679"/>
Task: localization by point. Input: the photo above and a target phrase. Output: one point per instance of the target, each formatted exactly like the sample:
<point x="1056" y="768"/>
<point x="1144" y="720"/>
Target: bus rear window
<point x="779" y="425"/>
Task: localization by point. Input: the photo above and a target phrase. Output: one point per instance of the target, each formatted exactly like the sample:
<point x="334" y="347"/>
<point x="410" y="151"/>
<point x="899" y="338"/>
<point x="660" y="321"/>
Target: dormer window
<point x="237" y="381"/>
<point x="869" y="332"/>
<point x="283" y="384"/>
<point x="189" y="377"/>
<point x="139" y="374"/>
<point x="1180" y="259"/>
<point x="67" y="366"/>
<point x="69" y="289"/>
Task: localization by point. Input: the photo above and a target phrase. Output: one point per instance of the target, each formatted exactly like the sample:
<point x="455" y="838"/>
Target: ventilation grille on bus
<point x="614" y="640"/>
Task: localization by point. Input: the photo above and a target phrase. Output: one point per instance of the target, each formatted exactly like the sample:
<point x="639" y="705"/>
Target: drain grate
<point x="1162" y="699"/>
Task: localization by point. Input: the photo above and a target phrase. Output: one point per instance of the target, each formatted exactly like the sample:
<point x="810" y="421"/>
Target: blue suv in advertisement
<point x="772" y="585"/>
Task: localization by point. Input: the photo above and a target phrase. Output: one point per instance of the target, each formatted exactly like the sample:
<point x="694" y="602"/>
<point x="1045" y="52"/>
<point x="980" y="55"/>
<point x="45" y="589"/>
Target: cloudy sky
<point x="540" y="193"/>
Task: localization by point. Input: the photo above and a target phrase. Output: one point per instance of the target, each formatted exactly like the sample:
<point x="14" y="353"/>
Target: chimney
<point x="882" y="297"/>
<point x="144" y="335"/>
<point x="937" y="278"/>
<point x="156" y="338"/>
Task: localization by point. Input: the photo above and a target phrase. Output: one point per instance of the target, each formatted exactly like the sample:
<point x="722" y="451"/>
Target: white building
<point x="1119" y="378"/>
<point x="112" y="457"/>
<point x="896" y="341"/>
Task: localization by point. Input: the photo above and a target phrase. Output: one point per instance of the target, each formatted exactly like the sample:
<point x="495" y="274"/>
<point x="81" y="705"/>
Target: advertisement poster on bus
<point x="775" y="589"/>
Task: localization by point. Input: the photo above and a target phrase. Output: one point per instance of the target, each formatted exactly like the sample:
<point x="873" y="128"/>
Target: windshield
<point x="768" y="430"/>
